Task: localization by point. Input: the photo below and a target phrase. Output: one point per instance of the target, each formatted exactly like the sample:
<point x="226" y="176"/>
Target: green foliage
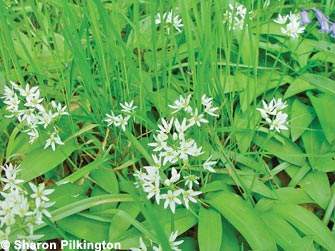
<point x="210" y="228"/>
<point x="244" y="218"/>
<point x="272" y="190"/>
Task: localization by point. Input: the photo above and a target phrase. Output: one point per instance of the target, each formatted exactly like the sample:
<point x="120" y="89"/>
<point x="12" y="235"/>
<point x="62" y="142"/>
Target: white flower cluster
<point x="174" y="245"/>
<point x="121" y="120"/>
<point x="235" y="16"/>
<point x="25" y="105"/>
<point x="175" y="150"/>
<point x="21" y="210"/>
<point x="273" y="115"/>
<point x="168" y="19"/>
<point x="293" y="23"/>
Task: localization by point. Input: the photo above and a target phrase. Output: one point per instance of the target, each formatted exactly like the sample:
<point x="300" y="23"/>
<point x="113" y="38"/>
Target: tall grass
<point x="94" y="55"/>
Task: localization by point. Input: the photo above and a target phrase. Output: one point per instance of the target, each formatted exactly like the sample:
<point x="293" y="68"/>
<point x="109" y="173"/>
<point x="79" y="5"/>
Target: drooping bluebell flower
<point x="332" y="30"/>
<point x="304" y="17"/>
<point x="323" y="21"/>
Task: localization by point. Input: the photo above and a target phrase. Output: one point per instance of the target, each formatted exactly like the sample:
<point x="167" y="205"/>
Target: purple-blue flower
<point x="304" y="17"/>
<point x="332" y="30"/>
<point x="323" y="21"/>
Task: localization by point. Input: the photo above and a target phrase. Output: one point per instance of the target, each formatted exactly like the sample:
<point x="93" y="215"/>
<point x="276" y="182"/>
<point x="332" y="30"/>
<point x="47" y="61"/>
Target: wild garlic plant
<point x="296" y="23"/>
<point x="32" y="113"/>
<point x="168" y="19"/>
<point x="174" y="245"/>
<point x="235" y="16"/>
<point x="175" y="176"/>
<point x="273" y="115"/>
<point x="21" y="209"/>
<point x="292" y="25"/>
<point x="122" y="119"/>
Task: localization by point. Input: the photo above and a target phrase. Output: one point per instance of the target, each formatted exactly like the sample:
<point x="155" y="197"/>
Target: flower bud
<point x="304" y="17"/>
<point x="323" y="21"/>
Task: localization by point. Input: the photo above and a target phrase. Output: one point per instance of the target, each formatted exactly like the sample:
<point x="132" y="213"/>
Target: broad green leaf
<point x="216" y="185"/>
<point x="325" y="46"/>
<point x="316" y="185"/>
<point x="85" y="228"/>
<point x="323" y="56"/>
<point x="244" y="218"/>
<point x="18" y="144"/>
<point x="250" y="162"/>
<point x="249" y="181"/>
<point x="306" y="243"/>
<point x="48" y="233"/>
<point x="189" y="244"/>
<point x="68" y="193"/>
<point x="312" y="141"/>
<point x="22" y="45"/>
<point x="143" y="37"/>
<point x="126" y="164"/>
<point x="292" y="195"/>
<point x="106" y="179"/>
<point x="270" y="28"/>
<point x="82" y="172"/>
<point x="306" y="222"/>
<point x="275" y="47"/>
<point x="325" y="163"/>
<point x="321" y="83"/>
<point x="139" y="147"/>
<point x="271" y="80"/>
<point x="83" y="130"/>
<point x="153" y="214"/>
<point x="229" y="85"/>
<point x="40" y="161"/>
<point x="321" y="104"/>
<point x="100" y="209"/>
<point x="229" y="237"/>
<point x="119" y="225"/>
<point x="131" y="239"/>
<point x="137" y="227"/>
<point x="209" y="228"/>
<point x="297" y="173"/>
<point x="268" y="80"/>
<point x="84" y="204"/>
<point x="244" y="85"/>
<point x="2" y="84"/>
<point x="244" y="127"/>
<point x="301" y="116"/>
<point x="247" y="43"/>
<point x="284" y="233"/>
<point x="319" y="152"/>
<point x="255" y="185"/>
<point x="162" y="98"/>
<point x="297" y="86"/>
<point x="287" y="150"/>
<point x="302" y="50"/>
<point x="183" y="221"/>
<point x="158" y="221"/>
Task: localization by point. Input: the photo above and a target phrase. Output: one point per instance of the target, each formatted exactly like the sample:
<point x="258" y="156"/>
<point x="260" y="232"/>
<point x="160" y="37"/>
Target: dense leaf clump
<point x="168" y="125"/>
